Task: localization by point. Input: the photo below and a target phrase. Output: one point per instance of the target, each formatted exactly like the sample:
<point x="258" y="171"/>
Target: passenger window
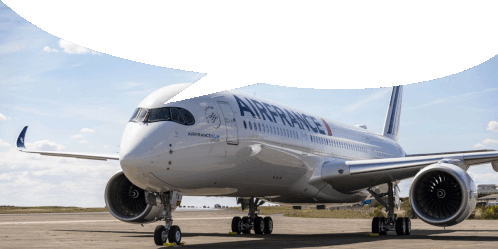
<point x="245" y="125"/>
<point x="189" y="118"/>
<point x="250" y="125"/>
<point x="259" y="125"/>
<point x="176" y="116"/>
<point x="264" y="130"/>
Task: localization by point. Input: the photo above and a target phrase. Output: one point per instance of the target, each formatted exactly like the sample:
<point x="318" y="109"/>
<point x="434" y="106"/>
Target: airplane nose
<point x="132" y="151"/>
<point x="131" y="159"/>
<point x="141" y="146"/>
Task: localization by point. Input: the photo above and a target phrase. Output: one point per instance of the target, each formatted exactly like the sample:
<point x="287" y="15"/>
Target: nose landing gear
<point x="381" y="225"/>
<point x="254" y="222"/>
<point x="169" y="232"/>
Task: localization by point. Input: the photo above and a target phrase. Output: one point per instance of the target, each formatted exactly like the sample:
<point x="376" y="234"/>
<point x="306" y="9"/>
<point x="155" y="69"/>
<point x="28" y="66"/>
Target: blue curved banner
<point x="312" y="44"/>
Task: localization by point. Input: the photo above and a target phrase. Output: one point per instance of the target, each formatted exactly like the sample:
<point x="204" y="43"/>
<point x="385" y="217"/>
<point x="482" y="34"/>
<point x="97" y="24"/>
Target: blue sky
<point x="75" y="99"/>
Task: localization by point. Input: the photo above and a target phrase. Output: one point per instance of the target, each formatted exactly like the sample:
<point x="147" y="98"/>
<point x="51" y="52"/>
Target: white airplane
<point x="233" y="144"/>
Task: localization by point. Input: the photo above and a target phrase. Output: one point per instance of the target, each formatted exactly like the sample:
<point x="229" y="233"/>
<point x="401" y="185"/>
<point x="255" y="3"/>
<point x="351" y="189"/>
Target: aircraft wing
<point x="372" y="172"/>
<point x="82" y="155"/>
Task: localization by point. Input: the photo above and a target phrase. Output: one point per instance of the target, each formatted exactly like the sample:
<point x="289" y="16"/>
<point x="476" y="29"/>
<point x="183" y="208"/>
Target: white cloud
<point x="3" y="143"/>
<point x="12" y="47"/>
<point x="50" y="50"/>
<point x="87" y="130"/>
<point x="489" y="141"/>
<point x="3" y="117"/>
<point x="451" y="99"/>
<point x="77" y="136"/>
<point x="374" y="97"/>
<point x="83" y="142"/>
<point x="72" y="48"/>
<point x="4" y="177"/>
<point x="493" y="126"/>
<point x="479" y="145"/>
<point x="45" y="145"/>
<point x="35" y="180"/>
<point x="105" y="146"/>
<point x="129" y="85"/>
<point x="486" y="142"/>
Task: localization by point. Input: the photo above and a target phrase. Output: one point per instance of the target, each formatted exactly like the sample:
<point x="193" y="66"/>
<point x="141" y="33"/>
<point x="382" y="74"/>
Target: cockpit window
<point x="176" y="116"/>
<point x="189" y="118"/>
<point x="141" y="115"/>
<point x="138" y="115"/>
<point x="159" y="114"/>
<point x="135" y="114"/>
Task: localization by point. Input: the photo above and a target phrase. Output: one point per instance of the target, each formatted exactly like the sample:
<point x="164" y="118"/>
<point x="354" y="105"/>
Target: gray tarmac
<point x="209" y="229"/>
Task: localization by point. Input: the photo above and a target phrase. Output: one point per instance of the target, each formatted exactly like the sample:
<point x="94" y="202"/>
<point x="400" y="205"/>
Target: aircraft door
<point x="304" y="138"/>
<point x="230" y="123"/>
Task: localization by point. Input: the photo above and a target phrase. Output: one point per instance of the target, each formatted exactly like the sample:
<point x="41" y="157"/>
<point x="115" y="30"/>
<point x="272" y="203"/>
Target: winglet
<point x="20" y="139"/>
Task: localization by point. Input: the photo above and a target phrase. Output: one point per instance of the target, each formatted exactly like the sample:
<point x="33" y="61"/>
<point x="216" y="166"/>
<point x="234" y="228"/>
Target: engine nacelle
<point x="443" y="194"/>
<point x="127" y="202"/>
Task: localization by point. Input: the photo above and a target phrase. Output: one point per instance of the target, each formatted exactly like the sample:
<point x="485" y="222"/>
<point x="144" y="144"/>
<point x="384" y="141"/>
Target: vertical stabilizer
<point x="391" y="125"/>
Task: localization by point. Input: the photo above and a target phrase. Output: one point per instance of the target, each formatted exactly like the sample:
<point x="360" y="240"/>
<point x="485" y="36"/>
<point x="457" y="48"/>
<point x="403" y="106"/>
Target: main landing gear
<point x="168" y="232"/>
<point x="381" y="225"/>
<point x="252" y="221"/>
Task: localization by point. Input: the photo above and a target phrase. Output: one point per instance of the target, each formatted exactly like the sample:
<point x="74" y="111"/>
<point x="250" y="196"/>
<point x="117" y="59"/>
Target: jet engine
<point x="443" y="194"/>
<point x="128" y="203"/>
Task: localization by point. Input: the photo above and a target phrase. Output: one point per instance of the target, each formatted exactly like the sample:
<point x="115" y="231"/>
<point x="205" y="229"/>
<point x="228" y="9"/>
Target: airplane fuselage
<point x="244" y="146"/>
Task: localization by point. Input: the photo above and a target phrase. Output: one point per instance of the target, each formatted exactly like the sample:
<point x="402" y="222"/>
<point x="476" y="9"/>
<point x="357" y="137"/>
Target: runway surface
<point x="209" y="229"/>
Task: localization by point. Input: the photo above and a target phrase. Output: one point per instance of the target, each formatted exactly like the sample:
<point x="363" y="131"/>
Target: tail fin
<point x="391" y="125"/>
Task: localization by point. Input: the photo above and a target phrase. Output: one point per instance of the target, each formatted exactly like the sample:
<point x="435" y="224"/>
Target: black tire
<point x="408" y="224"/>
<point x="400" y="226"/>
<point x="246" y="220"/>
<point x="382" y="221"/>
<point x="236" y="224"/>
<point x="160" y="235"/>
<point x="376" y="225"/>
<point x="175" y="235"/>
<point x="259" y="225"/>
<point x="268" y="225"/>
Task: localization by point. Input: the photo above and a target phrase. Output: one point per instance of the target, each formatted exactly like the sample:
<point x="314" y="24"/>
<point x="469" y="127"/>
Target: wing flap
<point x="82" y="155"/>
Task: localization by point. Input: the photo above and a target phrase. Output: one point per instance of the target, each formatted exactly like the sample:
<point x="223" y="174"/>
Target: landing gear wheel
<point x="400" y="226"/>
<point x="236" y="222"/>
<point x="408" y="226"/>
<point x="376" y="225"/>
<point x="160" y="235"/>
<point x="382" y="221"/>
<point x="259" y="225"/>
<point x="175" y="235"/>
<point x="268" y="225"/>
<point x="246" y="225"/>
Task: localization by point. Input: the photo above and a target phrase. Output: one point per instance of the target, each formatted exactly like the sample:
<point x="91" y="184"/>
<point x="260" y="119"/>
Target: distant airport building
<point x="488" y="200"/>
<point x="487" y="189"/>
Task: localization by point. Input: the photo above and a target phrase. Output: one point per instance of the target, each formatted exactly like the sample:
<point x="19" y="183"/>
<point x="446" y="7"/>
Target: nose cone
<point x="136" y="149"/>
